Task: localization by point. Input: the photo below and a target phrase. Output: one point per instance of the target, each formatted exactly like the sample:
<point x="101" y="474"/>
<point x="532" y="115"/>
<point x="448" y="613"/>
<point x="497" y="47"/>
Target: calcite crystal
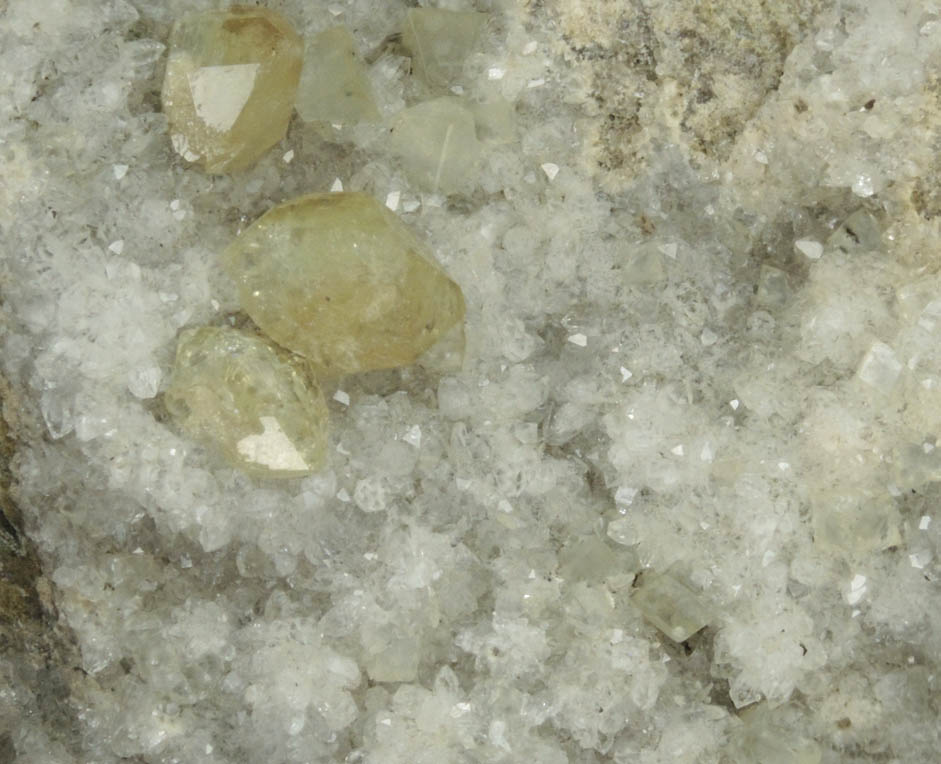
<point x="230" y="84"/>
<point x="334" y="87"/>
<point x="439" y="41"/>
<point x="342" y="281"/>
<point x="250" y="401"/>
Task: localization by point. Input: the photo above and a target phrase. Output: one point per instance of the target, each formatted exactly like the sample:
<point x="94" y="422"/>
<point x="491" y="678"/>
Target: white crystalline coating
<point x="677" y="450"/>
<point x="734" y="403"/>
<point x="117" y="246"/>
<point x="863" y="186"/>
<point x="624" y="496"/>
<point x="119" y="170"/>
<point x="221" y="92"/>
<point x="144" y="383"/>
<point x="578" y="339"/>
<point x="392" y="200"/>
<point x="288" y="156"/>
<point x="857" y="589"/>
<point x="708" y="337"/>
<point x="337" y="185"/>
<point x="924" y="522"/>
<point x="626" y="374"/>
<point x="271" y="448"/>
<point x="550" y="169"/>
<point x="919" y="559"/>
<point x="413" y="436"/>
<point x="812" y="250"/>
<point x="343" y="397"/>
<point x="707" y="453"/>
<point x="536" y="83"/>
<point x="530" y="48"/>
<point x="495" y="73"/>
<point x="880" y="368"/>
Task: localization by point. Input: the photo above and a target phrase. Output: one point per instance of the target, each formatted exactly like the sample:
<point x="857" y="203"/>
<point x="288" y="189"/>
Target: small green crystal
<point x="253" y="403"/>
<point x="670" y="605"/>
<point x="436" y="142"/>
<point x="439" y="41"/>
<point x="340" y="280"/>
<point x="334" y="87"/>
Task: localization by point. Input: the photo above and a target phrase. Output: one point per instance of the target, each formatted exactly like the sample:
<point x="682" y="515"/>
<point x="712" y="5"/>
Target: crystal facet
<point x="339" y="279"/>
<point x="230" y="84"/>
<point x="252" y="402"/>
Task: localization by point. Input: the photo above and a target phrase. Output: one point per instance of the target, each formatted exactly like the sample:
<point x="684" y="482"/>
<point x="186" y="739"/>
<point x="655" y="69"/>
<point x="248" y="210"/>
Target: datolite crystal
<point x="339" y="279"/>
<point x="250" y="401"/>
<point x="230" y="84"/>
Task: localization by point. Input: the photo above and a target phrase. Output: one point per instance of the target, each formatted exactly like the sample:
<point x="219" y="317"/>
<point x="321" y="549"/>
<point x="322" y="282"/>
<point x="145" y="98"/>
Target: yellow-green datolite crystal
<point x="250" y="401"/>
<point x="340" y="280"/>
<point x="230" y="84"/>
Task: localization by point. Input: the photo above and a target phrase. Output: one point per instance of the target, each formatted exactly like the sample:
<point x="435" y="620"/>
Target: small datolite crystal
<point x="250" y="401"/>
<point x="340" y="280"/>
<point x="230" y="85"/>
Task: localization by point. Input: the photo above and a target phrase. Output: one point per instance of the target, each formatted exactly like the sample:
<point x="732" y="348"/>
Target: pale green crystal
<point x="436" y="142"/>
<point x="334" y="87"/>
<point x="339" y="279"/>
<point x="229" y="87"/>
<point x="250" y="401"/>
<point x="439" y="41"/>
<point x="670" y="605"/>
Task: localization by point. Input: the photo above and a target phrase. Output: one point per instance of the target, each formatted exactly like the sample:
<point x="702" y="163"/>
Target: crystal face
<point x="342" y="281"/>
<point x="334" y="86"/>
<point x="436" y="142"/>
<point x="439" y="41"/>
<point x="230" y="84"/>
<point x="670" y="605"/>
<point x="250" y="401"/>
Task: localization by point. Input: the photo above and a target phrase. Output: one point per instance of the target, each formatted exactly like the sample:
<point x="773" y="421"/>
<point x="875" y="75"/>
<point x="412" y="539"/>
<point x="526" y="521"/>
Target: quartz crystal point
<point x="439" y="41"/>
<point x="230" y="83"/>
<point x="251" y="401"/>
<point x="340" y="280"/>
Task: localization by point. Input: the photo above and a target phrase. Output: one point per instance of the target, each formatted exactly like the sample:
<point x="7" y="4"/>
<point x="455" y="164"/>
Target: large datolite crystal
<point x="341" y="280"/>
<point x="250" y="401"/>
<point x="230" y="85"/>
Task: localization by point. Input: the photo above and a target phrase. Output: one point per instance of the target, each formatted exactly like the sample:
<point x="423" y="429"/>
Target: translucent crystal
<point x="439" y="41"/>
<point x="334" y="87"/>
<point x="230" y="83"/>
<point x="436" y="142"/>
<point x="252" y="402"/>
<point x="670" y="605"/>
<point x="339" y="279"/>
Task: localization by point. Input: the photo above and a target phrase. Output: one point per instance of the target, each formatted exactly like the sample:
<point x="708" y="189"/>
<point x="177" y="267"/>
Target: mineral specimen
<point x="230" y="84"/>
<point x="340" y="280"/>
<point x="439" y="41"/>
<point x="250" y="401"/>
<point x="334" y="87"/>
